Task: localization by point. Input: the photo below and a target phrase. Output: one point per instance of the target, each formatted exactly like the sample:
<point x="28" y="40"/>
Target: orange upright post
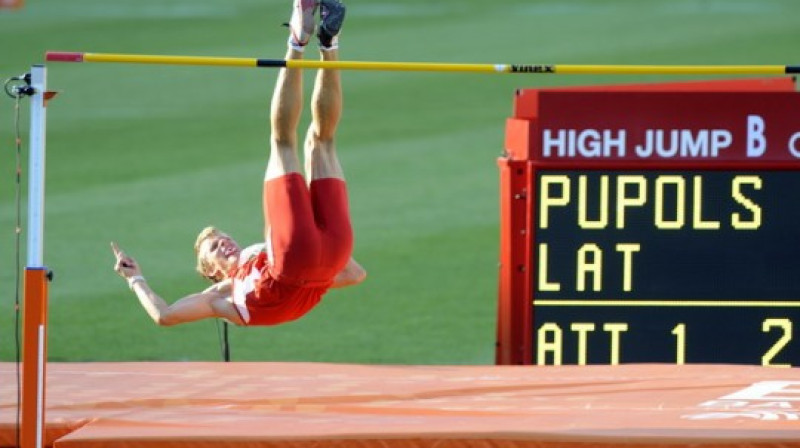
<point x="34" y="357"/>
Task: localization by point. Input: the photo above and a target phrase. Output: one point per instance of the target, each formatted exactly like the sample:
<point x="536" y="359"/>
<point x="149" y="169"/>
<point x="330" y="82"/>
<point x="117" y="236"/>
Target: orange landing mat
<point x="301" y="405"/>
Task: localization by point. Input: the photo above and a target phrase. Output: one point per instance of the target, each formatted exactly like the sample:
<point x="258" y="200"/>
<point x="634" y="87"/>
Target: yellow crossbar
<point x="428" y="66"/>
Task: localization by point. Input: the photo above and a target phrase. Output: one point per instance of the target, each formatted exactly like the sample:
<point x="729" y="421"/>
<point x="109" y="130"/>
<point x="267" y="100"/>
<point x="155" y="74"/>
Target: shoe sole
<point x="335" y="16"/>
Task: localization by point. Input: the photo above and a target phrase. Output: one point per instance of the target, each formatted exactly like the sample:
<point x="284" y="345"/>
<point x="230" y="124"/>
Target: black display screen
<point x="666" y="266"/>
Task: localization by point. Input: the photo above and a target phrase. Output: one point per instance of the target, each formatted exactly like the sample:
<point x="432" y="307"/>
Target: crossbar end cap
<point x="63" y="56"/>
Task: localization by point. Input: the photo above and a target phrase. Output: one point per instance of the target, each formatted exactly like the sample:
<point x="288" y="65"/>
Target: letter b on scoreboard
<point x="652" y="223"/>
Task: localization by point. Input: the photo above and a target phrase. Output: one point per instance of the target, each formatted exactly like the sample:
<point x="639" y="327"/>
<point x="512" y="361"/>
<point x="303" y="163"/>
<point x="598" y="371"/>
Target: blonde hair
<point x="202" y="266"/>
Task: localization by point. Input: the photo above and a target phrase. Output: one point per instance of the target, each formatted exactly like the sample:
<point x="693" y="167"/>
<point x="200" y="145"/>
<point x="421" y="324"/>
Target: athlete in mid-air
<point x="308" y="238"/>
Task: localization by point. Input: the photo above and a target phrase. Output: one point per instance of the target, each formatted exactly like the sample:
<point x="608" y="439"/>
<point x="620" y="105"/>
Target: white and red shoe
<point x="301" y="25"/>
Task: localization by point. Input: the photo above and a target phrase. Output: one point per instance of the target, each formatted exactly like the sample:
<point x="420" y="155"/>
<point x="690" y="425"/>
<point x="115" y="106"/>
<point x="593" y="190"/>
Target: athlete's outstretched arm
<point x="351" y="274"/>
<point x="203" y="305"/>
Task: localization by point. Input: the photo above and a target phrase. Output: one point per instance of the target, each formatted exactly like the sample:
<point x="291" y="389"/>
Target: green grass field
<point x="147" y="156"/>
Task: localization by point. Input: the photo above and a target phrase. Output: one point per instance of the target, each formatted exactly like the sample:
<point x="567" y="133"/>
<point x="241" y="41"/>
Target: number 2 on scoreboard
<point x="786" y="326"/>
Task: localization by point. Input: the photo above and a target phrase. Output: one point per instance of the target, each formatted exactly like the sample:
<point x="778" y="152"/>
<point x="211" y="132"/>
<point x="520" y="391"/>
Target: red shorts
<point x="309" y="229"/>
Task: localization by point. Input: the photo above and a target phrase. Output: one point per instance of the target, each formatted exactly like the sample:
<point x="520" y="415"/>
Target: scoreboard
<point x="654" y="223"/>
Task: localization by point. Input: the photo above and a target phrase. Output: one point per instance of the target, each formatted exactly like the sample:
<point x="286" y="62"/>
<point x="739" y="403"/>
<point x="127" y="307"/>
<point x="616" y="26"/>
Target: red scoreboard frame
<point x="651" y="223"/>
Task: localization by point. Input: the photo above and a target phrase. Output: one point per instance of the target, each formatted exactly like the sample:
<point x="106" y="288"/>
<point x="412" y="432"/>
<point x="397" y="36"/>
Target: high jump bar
<point x="57" y="56"/>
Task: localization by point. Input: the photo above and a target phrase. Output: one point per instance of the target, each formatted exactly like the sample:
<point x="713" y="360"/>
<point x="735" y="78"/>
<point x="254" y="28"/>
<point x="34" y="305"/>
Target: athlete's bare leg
<point x="287" y="104"/>
<point x="326" y="109"/>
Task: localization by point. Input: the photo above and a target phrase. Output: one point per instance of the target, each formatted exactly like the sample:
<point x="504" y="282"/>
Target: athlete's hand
<point x="125" y="266"/>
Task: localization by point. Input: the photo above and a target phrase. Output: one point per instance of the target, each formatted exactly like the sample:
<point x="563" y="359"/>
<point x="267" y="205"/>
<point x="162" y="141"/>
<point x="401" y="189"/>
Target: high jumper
<point x="308" y="237"/>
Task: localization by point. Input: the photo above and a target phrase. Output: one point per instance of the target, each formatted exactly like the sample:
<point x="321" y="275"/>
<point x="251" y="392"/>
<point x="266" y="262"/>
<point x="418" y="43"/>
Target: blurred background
<point x="147" y="156"/>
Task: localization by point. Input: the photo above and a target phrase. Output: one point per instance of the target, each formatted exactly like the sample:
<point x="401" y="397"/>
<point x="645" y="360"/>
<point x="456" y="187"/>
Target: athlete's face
<point x="220" y="253"/>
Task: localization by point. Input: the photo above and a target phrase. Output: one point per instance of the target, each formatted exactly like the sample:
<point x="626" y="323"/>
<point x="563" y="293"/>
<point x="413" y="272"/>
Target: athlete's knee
<point x="319" y="139"/>
<point x="283" y="143"/>
<point x="320" y="149"/>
